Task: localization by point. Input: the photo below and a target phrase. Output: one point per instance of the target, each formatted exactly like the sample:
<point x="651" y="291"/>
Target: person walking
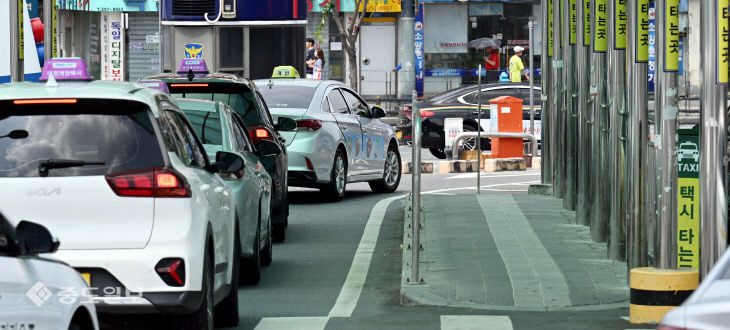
<point x="516" y="67"/>
<point x="491" y="64"/>
<point x="310" y="59"/>
<point x="318" y="66"/>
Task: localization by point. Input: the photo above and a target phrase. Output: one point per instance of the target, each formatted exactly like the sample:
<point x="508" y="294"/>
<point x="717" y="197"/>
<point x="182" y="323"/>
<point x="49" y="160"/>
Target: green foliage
<point x="326" y="10"/>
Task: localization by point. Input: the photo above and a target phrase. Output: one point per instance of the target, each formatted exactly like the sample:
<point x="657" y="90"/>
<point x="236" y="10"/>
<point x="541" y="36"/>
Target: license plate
<point x="87" y="277"/>
<point x="399" y="134"/>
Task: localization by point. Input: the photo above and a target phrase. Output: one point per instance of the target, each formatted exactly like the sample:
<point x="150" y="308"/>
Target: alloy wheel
<point x="392" y="170"/>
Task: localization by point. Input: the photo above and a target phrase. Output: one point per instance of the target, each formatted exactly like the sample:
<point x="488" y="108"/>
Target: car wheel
<point x="391" y="174"/>
<point x="471" y="143"/>
<point x="226" y="313"/>
<point x="204" y="317"/>
<point x="335" y="190"/>
<point x="438" y="153"/>
<point x="251" y="273"/>
<point x="266" y="253"/>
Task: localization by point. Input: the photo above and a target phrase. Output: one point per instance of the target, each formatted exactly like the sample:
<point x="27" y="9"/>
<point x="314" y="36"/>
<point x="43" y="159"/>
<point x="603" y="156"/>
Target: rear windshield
<point x="237" y="96"/>
<point x="284" y="96"/>
<point x="207" y="125"/>
<point x="119" y="134"/>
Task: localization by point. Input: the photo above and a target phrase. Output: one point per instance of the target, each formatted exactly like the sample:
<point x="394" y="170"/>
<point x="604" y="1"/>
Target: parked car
<point x="125" y="183"/>
<point x="463" y="103"/>
<point x="708" y="307"/>
<point x="221" y="129"/>
<point x="243" y="97"/>
<point x="39" y="293"/>
<point x="339" y="138"/>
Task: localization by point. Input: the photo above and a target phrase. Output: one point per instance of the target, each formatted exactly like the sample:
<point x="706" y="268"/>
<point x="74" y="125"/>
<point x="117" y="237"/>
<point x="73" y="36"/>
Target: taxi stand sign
<point x="642" y="31"/>
<point x="600" y="36"/>
<point x="688" y="199"/>
<point x="65" y="68"/>
<point x="723" y="41"/>
<point x="620" y="20"/>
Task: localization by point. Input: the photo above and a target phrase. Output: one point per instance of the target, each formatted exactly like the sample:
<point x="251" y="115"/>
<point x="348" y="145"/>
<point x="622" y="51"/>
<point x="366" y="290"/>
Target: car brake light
<point x="310" y="124"/>
<point x="172" y="271"/>
<point x="258" y="133"/>
<point x="426" y="113"/>
<point x="262" y="133"/>
<point x="45" y="101"/>
<point x="188" y="85"/>
<point x="158" y="182"/>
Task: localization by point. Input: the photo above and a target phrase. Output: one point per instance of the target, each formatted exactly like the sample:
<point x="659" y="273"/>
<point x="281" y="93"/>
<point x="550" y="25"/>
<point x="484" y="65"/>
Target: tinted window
<point x="237" y="96"/>
<point x="283" y="96"/>
<point x="207" y="125"/>
<point x="356" y="105"/>
<point x="180" y="140"/>
<point x="120" y="134"/>
<point x="490" y="94"/>
<point x="337" y="102"/>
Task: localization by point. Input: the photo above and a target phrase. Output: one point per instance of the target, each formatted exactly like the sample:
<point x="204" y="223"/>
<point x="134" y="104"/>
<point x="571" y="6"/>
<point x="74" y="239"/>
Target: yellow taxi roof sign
<point x="285" y="71"/>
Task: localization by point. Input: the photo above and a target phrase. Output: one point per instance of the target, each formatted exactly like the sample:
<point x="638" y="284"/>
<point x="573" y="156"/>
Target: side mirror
<point x="34" y="238"/>
<point x="229" y="165"/>
<point x="268" y="148"/>
<point x="378" y="112"/>
<point x="285" y="124"/>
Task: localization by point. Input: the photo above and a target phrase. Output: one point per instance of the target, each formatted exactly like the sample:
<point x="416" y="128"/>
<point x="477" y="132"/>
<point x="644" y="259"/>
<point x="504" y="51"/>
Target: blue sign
<point x="681" y="55"/>
<point x="418" y="41"/>
<point x="193" y="50"/>
<point x="467" y="72"/>
<point x="652" y="48"/>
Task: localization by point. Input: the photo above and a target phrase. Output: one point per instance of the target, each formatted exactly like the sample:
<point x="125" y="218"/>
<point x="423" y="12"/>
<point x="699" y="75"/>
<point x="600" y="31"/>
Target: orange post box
<point x="507" y="112"/>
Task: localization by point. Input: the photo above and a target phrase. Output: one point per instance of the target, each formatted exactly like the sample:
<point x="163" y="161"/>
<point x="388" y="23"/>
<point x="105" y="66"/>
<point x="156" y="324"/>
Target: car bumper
<point x="303" y="179"/>
<point x="151" y="303"/>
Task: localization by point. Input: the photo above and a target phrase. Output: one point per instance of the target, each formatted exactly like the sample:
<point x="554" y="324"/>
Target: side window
<point x="492" y="93"/>
<point x="326" y="106"/>
<point x="240" y="134"/>
<point x="337" y="102"/>
<point x="181" y="140"/>
<point x="265" y="114"/>
<point x="357" y="106"/>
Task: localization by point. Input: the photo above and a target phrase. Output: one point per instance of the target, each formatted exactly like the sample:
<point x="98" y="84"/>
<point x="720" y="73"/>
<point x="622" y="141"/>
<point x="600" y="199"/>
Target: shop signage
<point x="551" y="29"/>
<point x="586" y="23"/>
<point x="108" y="5"/>
<point x="620" y="20"/>
<point x="112" y="46"/>
<point x="5" y="42"/>
<point x="642" y="31"/>
<point x="193" y="50"/>
<point x="651" y="66"/>
<point x="418" y="43"/>
<point x="671" y="35"/>
<point x="723" y="41"/>
<point x="600" y="35"/>
<point x="688" y="199"/>
<point x="348" y="6"/>
<point x="573" y="22"/>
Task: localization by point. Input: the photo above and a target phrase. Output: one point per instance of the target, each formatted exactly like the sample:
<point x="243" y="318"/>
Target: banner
<point x="642" y="31"/>
<point x="418" y="43"/>
<point x="671" y="35"/>
<point x="723" y="41"/>
<point x="348" y="6"/>
<point x="573" y="22"/>
<point x="620" y="21"/>
<point x="688" y="199"/>
<point x="5" y="41"/>
<point x="551" y="28"/>
<point x="31" y="64"/>
<point x="108" y="5"/>
<point x="112" y="46"/>
<point x="586" y="23"/>
<point x="600" y="34"/>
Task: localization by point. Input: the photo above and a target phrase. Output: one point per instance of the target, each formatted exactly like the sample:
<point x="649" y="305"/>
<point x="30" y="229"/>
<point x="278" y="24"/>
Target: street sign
<point x="586" y="23"/>
<point x="550" y="27"/>
<point x="573" y="22"/>
<point x="642" y="31"/>
<point x="620" y="21"/>
<point x="723" y="41"/>
<point x="688" y="199"/>
<point x="671" y="35"/>
<point x="600" y="36"/>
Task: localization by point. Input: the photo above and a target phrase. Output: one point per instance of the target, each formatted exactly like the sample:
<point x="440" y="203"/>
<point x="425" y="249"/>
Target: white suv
<point x="117" y="172"/>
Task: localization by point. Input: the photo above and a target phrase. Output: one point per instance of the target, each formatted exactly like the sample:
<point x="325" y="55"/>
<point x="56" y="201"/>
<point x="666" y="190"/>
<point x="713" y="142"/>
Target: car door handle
<point x="204" y="187"/>
<point x="218" y="190"/>
<point x="364" y="130"/>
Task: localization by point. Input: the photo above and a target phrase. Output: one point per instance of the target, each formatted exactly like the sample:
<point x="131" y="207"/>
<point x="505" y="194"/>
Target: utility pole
<point x="15" y="73"/>
<point x="557" y="105"/>
<point x="547" y="113"/>
<point x="48" y="29"/>
<point x="599" y="164"/>
<point x="584" y="200"/>
<point x="568" y="49"/>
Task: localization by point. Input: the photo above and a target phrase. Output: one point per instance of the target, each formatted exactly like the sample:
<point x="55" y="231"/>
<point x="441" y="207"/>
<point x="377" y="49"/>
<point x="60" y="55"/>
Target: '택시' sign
<point x="688" y="199"/>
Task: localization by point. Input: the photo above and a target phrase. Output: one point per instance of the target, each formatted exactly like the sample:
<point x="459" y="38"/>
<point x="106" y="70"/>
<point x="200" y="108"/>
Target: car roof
<point x="212" y="77"/>
<point x="113" y="90"/>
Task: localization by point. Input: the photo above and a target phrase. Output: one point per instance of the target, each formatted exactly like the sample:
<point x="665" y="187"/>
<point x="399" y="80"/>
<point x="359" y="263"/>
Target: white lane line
<point x="536" y="279"/>
<point x="483" y="187"/>
<point x="475" y="322"/>
<point x="473" y="175"/>
<point x="301" y="323"/>
<point x="350" y="292"/>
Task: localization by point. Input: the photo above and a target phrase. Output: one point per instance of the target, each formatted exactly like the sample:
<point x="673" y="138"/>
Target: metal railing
<point x="462" y="136"/>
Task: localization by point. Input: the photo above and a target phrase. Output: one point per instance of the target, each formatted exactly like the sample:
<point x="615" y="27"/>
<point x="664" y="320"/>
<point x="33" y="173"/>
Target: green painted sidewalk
<point x="510" y="252"/>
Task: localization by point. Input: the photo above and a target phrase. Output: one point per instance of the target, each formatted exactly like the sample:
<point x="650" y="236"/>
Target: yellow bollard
<point x="655" y="291"/>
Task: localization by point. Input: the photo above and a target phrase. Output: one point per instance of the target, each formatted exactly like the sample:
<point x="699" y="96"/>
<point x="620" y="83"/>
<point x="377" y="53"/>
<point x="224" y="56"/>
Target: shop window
<point x="230" y="41"/>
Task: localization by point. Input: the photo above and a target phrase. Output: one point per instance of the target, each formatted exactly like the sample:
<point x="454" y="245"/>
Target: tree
<point x="348" y="32"/>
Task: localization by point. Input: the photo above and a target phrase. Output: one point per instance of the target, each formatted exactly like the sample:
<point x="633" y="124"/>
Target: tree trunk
<point x="354" y="72"/>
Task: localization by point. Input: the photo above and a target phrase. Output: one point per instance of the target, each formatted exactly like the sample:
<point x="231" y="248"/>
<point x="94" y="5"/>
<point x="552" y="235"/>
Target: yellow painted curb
<point x="655" y="291"/>
<point x="648" y="278"/>
<point x="647" y="314"/>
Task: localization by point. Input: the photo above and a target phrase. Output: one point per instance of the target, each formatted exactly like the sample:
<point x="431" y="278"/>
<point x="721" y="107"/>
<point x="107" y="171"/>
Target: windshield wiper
<point x="48" y="164"/>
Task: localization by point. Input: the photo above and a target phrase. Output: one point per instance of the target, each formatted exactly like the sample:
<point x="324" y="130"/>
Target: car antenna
<point x="191" y="75"/>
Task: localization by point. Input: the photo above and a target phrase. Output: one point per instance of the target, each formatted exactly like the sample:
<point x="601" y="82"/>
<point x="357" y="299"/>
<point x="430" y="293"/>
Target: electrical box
<point x="508" y="119"/>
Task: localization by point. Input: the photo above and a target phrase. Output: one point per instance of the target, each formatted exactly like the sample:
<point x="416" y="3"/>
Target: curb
<point x="540" y="189"/>
<point x="466" y="166"/>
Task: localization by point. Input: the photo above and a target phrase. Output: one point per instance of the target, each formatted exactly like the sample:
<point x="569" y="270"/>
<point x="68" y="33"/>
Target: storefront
<point x="449" y="26"/>
<point x="118" y="39"/>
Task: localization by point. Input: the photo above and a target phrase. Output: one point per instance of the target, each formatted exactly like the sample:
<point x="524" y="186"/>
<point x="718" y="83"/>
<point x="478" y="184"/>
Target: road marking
<point x="485" y="187"/>
<point x="302" y="323"/>
<point x="536" y="279"/>
<point x="473" y="175"/>
<point x="350" y="292"/>
<point x="475" y="322"/>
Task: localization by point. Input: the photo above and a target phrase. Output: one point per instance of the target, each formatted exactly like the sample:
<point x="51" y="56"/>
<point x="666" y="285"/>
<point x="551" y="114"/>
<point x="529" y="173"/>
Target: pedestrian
<point x="516" y="67"/>
<point x="318" y="64"/>
<point x="310" y="59"/>
<point x="491" y="64"/>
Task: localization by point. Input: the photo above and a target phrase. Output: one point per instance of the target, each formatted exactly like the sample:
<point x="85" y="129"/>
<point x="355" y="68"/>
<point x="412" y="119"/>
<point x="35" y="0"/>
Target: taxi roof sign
<point x="285" y="71"/>
<point x="65" y="68"/>
<point x="155" y="84"/>
<point x="198" y="67"/>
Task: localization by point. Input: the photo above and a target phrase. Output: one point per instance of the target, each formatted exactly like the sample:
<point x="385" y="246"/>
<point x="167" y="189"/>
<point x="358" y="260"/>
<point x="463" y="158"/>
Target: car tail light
<point x="424" y="113"/>
<point x="309" y="124"/>
<point x="157" y="182"/>
<point x="172" y="271"/>
<point x="188" y="85"/>
<point x="309" y="164"/>
<point x="45" y="101"/>
<point x="258" y="133"/>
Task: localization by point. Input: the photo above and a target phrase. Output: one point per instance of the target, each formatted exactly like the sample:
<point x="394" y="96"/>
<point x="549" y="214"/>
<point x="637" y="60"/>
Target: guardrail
<point x="462" y="136"/>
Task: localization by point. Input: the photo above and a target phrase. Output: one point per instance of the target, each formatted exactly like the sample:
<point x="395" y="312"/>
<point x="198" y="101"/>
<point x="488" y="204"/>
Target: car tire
<point x="204" y="317"/>
<point x="251" y="270"/>
<point x="438" y="153"/>
<point x="335" y="190"/>
<point x="266" y="253"/>
<point x="391" y="174"/>
<point x="226" y="313"/>
<point x="486" y="145"/>
<point x="279" y="232"/>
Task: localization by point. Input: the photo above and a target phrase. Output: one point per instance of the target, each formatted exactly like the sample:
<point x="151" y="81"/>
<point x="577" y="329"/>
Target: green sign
<point x="586" y="23"/>
<point x="573" y="22"/>
<point x="620" y="21"/>
<point x="550" y="28"/>
<point x="671" y="35"/>
<point x="688" y="199"/>
<point x="600" y="35"/>
<point x="642" y="31"/>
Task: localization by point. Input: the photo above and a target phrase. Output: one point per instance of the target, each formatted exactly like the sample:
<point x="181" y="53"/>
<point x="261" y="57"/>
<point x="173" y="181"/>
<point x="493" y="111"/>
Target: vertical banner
<point x="586" y="23"/>
<point x="651" y="63"/>
<point x="620" y="21"/>
<point x="723" y="41"/>
<point x="600" y="33"/>
<point x="688" y="199"/>
<point x="573" y="22"/>
<point x="54" y="18"/>
<point x="550" y="27"/>
<point x="671" y="35"/>
<point x="21" y="5"/>
<point x="418" y="43"/>
<point x="5" y="41"/>
<point x="112" y="45"/>
<point x="31" y="64"/>
<point x="642" y="31"/>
